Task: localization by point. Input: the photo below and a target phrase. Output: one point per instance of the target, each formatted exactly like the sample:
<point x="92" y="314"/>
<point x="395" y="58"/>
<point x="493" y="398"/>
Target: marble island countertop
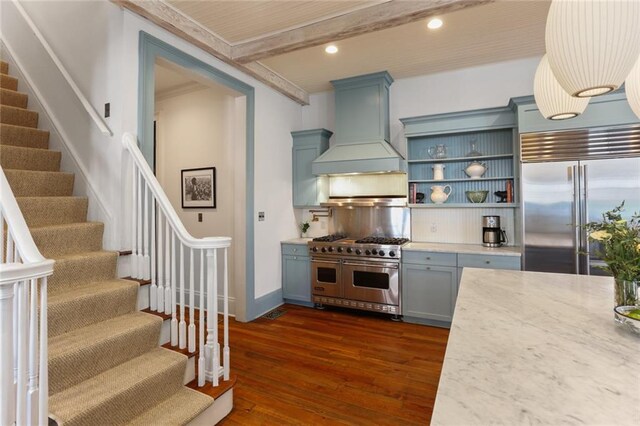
<point x="537" y="348"/>
<point x="463" y="248"/>
<point x="296" y="241"/>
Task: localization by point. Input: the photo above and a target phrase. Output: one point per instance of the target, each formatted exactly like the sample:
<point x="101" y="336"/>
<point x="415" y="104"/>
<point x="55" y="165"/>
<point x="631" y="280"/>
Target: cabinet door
<point x="305" y="191"/>
<point x="429" y="291"/>
<point x="296" y="278"/>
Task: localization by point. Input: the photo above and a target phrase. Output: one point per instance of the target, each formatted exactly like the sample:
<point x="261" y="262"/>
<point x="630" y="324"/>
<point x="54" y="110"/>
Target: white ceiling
<point x="505" y="30"/>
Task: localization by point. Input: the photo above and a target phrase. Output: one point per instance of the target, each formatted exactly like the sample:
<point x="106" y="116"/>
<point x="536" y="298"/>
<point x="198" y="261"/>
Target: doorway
<point x="192" y="115"/>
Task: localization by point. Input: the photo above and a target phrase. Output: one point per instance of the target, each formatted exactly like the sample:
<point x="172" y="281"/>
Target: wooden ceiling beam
<point x="174" y="21"/>
<point x="362" y="21"/>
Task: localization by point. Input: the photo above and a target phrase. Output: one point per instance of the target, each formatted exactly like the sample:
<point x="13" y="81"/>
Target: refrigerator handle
<point x="585" y="218"/>
<point x="576" y="216"/>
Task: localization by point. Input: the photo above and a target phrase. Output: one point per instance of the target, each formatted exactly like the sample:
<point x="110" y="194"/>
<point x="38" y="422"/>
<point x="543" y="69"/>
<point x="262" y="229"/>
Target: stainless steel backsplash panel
<point x="359" y="222"/>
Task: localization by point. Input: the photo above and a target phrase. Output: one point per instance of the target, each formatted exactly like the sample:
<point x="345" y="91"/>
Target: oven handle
<point x="374" y="265"/>
<point x="333" y="262"/>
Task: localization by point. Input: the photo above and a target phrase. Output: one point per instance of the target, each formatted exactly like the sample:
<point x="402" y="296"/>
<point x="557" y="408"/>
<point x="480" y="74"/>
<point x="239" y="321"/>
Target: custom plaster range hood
<point x="362" y="133"/>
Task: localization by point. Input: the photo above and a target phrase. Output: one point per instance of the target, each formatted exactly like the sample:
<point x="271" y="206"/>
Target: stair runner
<point x="105" y="363"/>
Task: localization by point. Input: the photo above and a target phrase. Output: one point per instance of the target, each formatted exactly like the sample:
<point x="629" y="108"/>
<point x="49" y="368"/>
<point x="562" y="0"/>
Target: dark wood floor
<point x="328" y="367"/>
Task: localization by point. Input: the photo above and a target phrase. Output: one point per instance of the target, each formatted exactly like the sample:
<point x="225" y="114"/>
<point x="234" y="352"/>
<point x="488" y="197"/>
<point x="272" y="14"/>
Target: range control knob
<point x="349" y="250"/>
<point x="339" y="249"/>
<point x="315" y="249"/>
<point x="374" y="251"/>
<point x="392" y="253"/>
<point x="358" y="251"/>
<point x="330" y="249"/>
<point x="381" y="253"/>
<point x="367" y="252"/>
<point x="324" y="250"/>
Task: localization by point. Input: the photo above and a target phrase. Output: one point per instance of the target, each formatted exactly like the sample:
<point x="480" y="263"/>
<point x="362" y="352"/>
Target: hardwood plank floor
<point x="334" y="367"/>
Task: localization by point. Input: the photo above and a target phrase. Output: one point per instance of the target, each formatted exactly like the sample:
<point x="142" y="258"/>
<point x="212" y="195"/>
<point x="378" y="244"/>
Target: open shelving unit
<point x="494" y="135"/>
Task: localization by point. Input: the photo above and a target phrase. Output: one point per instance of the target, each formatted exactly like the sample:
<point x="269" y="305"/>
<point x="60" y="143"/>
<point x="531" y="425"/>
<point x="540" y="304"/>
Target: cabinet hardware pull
<point x="295" y="249"/>
<point x="295" y="257"/>
<point x="487" y="262"/>
<point x="428" y="258"/>
<point x="428" y="268"/>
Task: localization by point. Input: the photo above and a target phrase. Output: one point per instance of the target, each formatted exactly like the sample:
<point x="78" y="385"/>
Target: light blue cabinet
<point x="429" y="287"/>
<point x="491" y="133"/>
<point x="309" y="190"/>
<point x="296" y="274"/>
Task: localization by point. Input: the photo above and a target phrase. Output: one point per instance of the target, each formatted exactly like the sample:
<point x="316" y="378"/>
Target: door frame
<point x="151" y="48"/>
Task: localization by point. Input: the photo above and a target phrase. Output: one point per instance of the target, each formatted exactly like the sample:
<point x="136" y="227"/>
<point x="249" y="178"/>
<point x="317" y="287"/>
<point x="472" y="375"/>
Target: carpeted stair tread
<point x="20" y="158"/>
<point x="18" y="116"/>
<point x="13" y="98"/>
<point x="23" y="136"/>
<point x="29" y="183"/>
<point x="4" y="67"/>
<point x="179" y="409"/>
<point x="82" y="353"/>
<point x="121" y="393"/>
<point x="90" y="304"/>
<point x="68" y="238"/>
<point x="74" y="270"/>
<point x="8" y="82"/>
<point x="45" y="211"/>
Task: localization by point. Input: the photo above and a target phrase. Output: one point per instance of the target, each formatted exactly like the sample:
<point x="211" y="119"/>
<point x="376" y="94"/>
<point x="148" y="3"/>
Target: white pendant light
<point x="553" y="102"/>
<point x="632" y="87"/>
<point x="592" y="44"/>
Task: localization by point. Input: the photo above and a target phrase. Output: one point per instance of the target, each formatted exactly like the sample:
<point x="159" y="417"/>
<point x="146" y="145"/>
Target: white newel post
<point x="6" y="355"/>
<point x="211" y="349"/>
<point x="226" y="351"/>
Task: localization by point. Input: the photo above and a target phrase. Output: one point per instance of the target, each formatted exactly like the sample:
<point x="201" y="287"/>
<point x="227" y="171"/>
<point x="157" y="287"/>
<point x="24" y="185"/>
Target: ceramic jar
<point x="438" y="171"/>
<point x="439" y="193"/>
<point x="475" y="170"/>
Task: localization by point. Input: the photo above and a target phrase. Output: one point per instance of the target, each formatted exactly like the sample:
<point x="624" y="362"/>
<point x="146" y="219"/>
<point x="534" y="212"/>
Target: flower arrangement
<point x="620" y="243"/>
<point x="304" y="227"/>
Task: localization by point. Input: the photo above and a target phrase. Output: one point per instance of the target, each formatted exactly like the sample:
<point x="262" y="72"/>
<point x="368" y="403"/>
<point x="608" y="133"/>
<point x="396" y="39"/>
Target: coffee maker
<point x="492" y="234"/>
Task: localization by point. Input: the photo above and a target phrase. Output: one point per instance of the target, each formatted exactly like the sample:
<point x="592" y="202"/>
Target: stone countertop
<point x="463" y="248"/>
<point x="296" y="241"/>
<point x="537" y="348"/>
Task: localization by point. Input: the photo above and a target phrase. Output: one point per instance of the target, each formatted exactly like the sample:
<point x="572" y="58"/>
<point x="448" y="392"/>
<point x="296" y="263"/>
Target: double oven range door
<point x="371" y="281"/>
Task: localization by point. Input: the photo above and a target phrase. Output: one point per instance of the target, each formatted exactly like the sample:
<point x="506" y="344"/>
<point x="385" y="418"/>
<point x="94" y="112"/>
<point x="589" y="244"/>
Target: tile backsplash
<point x="458" y="225"/>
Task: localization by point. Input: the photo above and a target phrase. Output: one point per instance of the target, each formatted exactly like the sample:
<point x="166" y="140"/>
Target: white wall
<point x="484" y="86"/>
<point x="195" y="130"/>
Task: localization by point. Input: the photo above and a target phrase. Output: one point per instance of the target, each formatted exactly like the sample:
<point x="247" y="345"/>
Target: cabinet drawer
<point x="429" y="258"/>
<point x="295" y="249"/>
<point x="489" y="261"/>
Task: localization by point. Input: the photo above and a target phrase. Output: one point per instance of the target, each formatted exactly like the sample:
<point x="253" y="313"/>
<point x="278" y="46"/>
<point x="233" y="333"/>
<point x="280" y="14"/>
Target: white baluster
<point x="43" y="405"/>
<point x="2" y="260"/>
<point x="169" y="302"/>
<point x="192" y="305"/>
<point x="214" y="299"/>
<point x="22" y="358"/>
<point x="134" y="221"/>
<point x="140" y="257"/>
<point x="183" y="324"/>
<point x="211" y="356"/>
<point x="153" y="295"/>
<point x="160" y="280"/>
<point x="10" y="248"/>
<point x="146" y="228"/>
<point x="226" y="352"/>
<point x="174" y="321"/>
<point x="202" y="313"/>
<point x="6" y="355"/>
<point x="32" y="398"/>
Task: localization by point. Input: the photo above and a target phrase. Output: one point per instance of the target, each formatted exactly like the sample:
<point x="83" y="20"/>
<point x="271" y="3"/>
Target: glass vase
<point x="626" y="292"/>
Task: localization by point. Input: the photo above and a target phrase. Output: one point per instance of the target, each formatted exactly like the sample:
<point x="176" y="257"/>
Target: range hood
<point x="362" y="133"/>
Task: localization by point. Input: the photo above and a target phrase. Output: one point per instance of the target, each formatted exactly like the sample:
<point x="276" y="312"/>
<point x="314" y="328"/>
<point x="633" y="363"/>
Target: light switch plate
<point x="260" y="216"/>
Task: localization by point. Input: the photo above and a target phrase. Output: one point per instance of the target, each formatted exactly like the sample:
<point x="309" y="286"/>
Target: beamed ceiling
<point x="282" y="42"/>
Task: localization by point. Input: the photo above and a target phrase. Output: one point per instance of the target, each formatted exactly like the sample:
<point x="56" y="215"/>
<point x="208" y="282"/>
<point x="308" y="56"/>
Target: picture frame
<point x="198" y="188"/>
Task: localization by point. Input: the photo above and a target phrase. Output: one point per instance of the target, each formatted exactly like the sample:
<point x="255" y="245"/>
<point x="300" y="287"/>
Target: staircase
<point x="105" y="363"/>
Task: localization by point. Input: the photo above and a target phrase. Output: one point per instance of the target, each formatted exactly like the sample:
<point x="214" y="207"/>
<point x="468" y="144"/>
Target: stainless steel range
<point x="361" y="271"/>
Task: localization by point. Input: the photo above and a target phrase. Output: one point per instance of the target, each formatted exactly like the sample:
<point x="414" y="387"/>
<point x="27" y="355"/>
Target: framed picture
<point x="199" y="188"/>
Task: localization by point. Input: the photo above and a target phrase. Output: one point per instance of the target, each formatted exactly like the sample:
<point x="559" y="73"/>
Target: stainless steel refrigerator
<point x="569" y="179"/>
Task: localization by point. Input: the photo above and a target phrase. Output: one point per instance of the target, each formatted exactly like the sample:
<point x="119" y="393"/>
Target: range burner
<point x="330" y="238"/>
<point x="382" y="241"/>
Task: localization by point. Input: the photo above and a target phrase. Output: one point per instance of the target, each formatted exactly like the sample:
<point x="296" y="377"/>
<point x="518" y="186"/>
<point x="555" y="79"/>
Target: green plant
<point x="619" y="243"/>
<point x="304" y="227"/>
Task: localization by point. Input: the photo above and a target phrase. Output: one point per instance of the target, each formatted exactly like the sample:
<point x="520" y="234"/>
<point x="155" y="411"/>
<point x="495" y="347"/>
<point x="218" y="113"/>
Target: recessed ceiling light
<point x="434" y="24"/>
<point x="331" y="49"/>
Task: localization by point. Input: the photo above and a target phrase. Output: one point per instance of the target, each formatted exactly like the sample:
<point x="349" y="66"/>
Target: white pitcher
<point x="438" y="171"/>
<point x="439" y="193"/>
